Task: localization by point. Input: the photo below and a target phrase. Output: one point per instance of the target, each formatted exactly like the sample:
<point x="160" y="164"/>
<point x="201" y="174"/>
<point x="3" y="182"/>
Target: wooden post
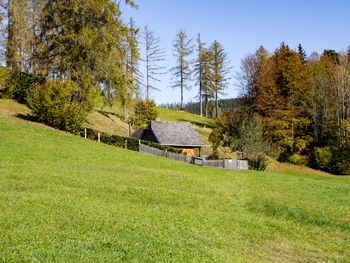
<point x="126" y="144"/>
<point x="166" y="153"/>
<point x="85" y="133"/>
<point x="99" y="137"/>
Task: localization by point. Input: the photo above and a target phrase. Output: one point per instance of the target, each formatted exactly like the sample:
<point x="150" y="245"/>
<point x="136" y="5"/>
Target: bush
<point x="298" y="159"/>
<point x="16" y="85"/>
<point x="59" y="104"/>
<point x="260" y="163"/>
<point x="321" y="158"/>
<point x="340" y="163"/>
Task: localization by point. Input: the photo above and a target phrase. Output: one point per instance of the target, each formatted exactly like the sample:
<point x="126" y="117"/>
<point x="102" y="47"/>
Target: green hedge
<point x="16" y="85"/>
<point x="119" y="141"/>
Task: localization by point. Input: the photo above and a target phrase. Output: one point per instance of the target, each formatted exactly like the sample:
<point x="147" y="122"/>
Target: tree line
<point x="88" y="44"/>
<point x="302" y="103"/>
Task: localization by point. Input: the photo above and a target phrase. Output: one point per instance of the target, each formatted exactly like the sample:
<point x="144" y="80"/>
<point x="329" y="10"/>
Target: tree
<point x="221" y="71"/>
<point x="154" y="55"/>
<point x="82" y="41"/>
<point x="182" y="72"/>
<point x="302" y="53"/>
<point x="132" y="66"/>
<point x="19" y="35"/>
<point x="206" y="59"/>
<point x="198" y="69"/>
<point x="3" y="30"/>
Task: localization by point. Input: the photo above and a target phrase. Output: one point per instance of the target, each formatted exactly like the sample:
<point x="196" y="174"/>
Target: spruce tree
<point x="302" y="53"/>
<point x="221" y="70"/>
<point x="182" y="72"/>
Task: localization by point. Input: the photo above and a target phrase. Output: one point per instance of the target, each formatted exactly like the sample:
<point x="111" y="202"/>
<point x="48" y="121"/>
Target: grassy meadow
<point x="66" y="199"/>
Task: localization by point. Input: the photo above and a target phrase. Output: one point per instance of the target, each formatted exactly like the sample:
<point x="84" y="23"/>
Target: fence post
<point x="99" y="137"/>
<point x="126" y="144"/>
<point x="85" y="134"/>
<point x="224" y="163"/>
<point x="166" y="153"/>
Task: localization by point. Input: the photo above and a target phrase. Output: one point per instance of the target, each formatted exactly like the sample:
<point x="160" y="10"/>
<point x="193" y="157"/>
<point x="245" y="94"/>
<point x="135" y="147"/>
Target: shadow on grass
<point x="274" y="209"/>
<point x="106" y="113"/>
<point x="203" y="124"/>
<point x="28" y="117"/>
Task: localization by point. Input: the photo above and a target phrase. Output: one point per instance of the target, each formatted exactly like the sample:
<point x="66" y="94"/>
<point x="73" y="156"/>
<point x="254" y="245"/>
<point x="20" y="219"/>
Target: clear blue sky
<point x="242" y="26"/>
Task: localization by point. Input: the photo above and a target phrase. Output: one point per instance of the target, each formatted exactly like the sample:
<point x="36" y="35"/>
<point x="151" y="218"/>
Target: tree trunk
<point x="216" y="104"/>
<point x="206" y="105"/>
<point x="200" y="99"/>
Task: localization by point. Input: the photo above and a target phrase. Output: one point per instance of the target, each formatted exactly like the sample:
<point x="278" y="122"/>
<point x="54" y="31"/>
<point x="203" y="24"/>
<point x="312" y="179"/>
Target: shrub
<point x="340" y="163"/>
<point x="17" y="85"/>
<point x="297" y="159"/>
<point x="321" y="158"/>
<point x="243" y="132"/>
<point x="60" y="104"/>
<point x="260" y="163"/>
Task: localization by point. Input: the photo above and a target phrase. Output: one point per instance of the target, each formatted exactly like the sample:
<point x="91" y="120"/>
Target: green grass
<point x="177" y="115"/>
<point x="66" y="199"/>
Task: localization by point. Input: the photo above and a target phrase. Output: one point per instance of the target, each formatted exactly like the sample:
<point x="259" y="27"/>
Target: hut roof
<point x="181" y="134"/>
<point x="137" y="134"/>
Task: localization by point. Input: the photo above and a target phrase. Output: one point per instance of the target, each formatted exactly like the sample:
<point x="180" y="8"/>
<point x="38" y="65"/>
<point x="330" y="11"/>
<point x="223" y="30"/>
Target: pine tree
<point x="221" y="70"/>
<point x="154" y="55"/>
<point x="182" y="72"/>
<point x="302" y="53"/>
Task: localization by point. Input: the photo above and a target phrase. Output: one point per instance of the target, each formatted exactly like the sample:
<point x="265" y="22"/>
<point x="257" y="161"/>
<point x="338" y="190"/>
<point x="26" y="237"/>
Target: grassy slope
<point x="203" y="125"/>
<point x="63" y="198"/>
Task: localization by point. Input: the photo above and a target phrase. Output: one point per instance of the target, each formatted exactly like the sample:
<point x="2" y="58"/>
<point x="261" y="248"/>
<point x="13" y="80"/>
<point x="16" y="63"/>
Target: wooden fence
<point x="154" y="151"/>
<point x="227" y="163"/>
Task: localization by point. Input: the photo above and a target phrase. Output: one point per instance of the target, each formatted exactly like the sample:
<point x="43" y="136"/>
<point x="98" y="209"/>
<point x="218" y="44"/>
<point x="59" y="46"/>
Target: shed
<point x="175" y="134"/>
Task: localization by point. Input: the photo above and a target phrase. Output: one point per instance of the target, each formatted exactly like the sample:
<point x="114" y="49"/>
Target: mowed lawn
<point x="66" y="199"/>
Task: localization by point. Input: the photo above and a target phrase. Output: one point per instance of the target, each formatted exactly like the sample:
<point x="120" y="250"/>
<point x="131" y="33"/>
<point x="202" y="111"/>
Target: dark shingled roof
<point x="176" y="133"/>
<point x="137" y="134"/>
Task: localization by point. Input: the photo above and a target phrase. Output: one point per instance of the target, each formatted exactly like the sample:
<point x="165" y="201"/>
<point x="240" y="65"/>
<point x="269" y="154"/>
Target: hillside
<point x="111" y="117"/>
<point x="63" y="198"/>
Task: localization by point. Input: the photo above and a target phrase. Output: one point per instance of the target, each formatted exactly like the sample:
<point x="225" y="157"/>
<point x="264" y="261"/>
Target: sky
<point x="241" y="26"/>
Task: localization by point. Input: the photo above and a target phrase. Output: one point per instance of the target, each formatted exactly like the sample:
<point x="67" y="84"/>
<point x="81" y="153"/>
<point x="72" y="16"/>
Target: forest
<point x="64" y="57"/>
